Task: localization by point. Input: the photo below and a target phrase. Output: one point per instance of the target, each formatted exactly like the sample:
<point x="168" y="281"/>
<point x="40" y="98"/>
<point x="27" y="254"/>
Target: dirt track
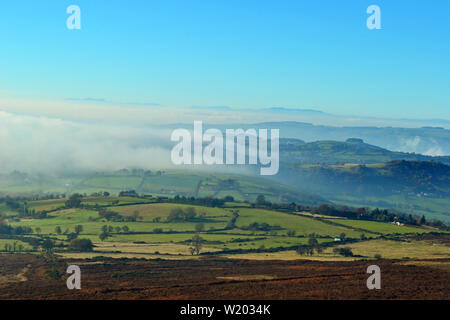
<point x="223" y="279"/>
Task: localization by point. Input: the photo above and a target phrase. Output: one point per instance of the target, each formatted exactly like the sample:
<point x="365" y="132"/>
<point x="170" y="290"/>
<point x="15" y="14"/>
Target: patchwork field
<point x="301" y="224"/>
<point x="146" y="228"/>
<point x="161" y="183"/>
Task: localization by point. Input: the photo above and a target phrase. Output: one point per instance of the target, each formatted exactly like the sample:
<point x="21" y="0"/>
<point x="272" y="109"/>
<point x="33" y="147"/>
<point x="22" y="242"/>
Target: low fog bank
<point x="61" y="147"/>
<point x="48" y="145"/>
<point x="70" y="137"/>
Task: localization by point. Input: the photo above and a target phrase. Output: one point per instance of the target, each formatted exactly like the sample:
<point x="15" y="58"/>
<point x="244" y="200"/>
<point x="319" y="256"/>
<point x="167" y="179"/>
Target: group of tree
<point x="206" y="201"/>
<point x="346" y="251"/>
<point x="107" y="231"/>
<point x="291" y="233"/>
<point x="256" y="226"/>
<point x="232" y="223"/>
<point x="13" y="203"/>
<point x="138" y="172"/>
<point x="200" y="227"/>
<point x="381" y="215"/>
<point x="261" y="201"/>
<point x="26" y="212"/>
<point x="20" y="230"/>
<point x="70" y="235"/>
<point x="128" y="193"/>
<point x="196" y="245"/>
<point x="100" y="194"/>
<point x="292" y="206"/>
<point x="81" y="245"/>
<point x="48" y="245"/>
<point x="74" y="201"/>
<point x="110" y="215"/>
<point x="14" y="247"/>
<point x="180" y="215"/>
<point x="313" y="245"/>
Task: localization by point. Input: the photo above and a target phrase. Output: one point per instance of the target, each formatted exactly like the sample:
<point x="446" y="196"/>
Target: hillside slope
<point x="350" y="151"/>
<point x="162" y="183"/>
<point x="416" y="187"/>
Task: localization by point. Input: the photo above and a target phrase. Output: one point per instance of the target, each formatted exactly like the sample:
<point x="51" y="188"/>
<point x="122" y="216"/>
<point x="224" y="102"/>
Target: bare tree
<point x="197" y="244"/>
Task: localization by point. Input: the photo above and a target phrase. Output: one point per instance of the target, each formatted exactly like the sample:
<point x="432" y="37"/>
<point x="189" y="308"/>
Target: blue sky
<point x="243" y="54"/>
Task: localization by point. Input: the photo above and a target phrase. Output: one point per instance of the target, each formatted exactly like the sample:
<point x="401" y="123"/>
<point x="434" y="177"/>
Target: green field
<point x="46" y="205"/>
<point x="214" y="221"/>
<point x="302" y="225"/>
<point x="171" y="182"/>
<point x="145" y="228"/>
<point x="113" y="182"/>
<point x="379" y="227"/>
<point x="401" y="249"/>
<point x="166" y="183"/>
<point x="6" y="210"/>
<point x="151" y="211"/>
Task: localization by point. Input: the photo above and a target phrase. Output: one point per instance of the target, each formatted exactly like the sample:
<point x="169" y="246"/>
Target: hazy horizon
<point x="94" y="139"/>
<point x="249" y="55"/>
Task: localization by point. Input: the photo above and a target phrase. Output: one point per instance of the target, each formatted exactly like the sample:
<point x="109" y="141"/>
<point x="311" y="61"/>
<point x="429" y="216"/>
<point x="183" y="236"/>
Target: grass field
<point x="46" y="205"/>
<point x="301" y="224"/>
<point x="107" y="201"/>
<point x="401" y="249"/>
<point x="53" y="204"/>
<point x="162" y="210"/>
<point x="153" y="236"/>
<point x="172" y="182"/>
<point x="290" y="255"/>
<point x="113" y="182"/>
<point x="6" y="211"/>
<point x="388" y="249"/>
<point x="380" y="227"/>
<point x="180" y="233"/>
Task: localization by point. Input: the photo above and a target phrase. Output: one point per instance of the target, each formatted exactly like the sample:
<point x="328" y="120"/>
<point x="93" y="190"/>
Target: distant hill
<point x="353" y="150"/>
<point x="431" y="178"/>
<point x="426" y="140"/>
